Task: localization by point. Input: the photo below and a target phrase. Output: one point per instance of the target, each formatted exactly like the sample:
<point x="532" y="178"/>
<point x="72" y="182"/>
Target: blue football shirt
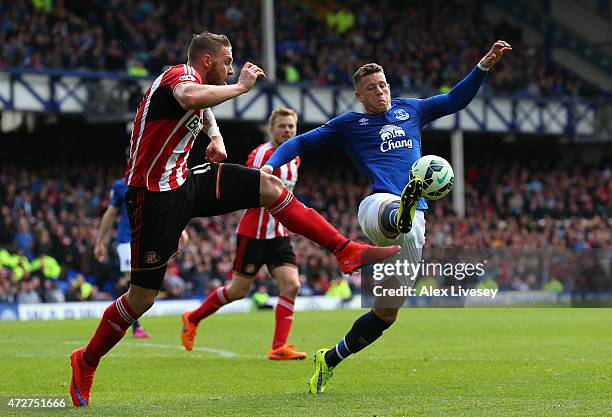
<point x="384" y="146"/>
<point x="117" y="197"/>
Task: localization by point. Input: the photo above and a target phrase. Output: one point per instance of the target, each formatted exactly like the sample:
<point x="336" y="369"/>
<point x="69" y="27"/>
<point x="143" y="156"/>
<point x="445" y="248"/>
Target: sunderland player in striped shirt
<point x="261" y="239"/>
<point x="383" y="143"/>
<point x="164" y="195"/>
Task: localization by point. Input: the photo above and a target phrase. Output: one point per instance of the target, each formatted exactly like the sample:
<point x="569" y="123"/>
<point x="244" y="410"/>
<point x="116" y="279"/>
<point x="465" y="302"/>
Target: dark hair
<point x="206" y="42"/>
<point x="367" y="69"/>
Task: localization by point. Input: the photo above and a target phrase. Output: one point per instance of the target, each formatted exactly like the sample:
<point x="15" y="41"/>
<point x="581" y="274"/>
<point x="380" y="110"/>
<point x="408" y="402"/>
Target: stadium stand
<point x="431" y="53"/>
<point x="123" y="36"/>
<point x="50" y="208"/>
<point x="49" y="216"/>
<point x="316" y="44"/>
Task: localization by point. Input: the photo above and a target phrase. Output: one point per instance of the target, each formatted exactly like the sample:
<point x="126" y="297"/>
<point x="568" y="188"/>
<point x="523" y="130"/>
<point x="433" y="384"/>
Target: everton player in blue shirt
<point x="383" y="143"/>
<point x="124" y="235"/>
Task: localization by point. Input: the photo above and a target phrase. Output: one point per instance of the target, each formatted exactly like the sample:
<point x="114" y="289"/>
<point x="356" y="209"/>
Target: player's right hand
<point x="100" y="252"/>
<point x="267" y="169"/>
<point x="248" y="75"/>
<point x="215" y="151"/>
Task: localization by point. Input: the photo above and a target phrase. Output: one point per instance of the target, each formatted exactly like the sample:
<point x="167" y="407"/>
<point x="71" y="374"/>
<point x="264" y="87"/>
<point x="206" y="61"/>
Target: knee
<point x="387" y="314"/>
<point x="270" y="189"/>
<point x="141" y="302"/>
<point x="148" y="301"/>
<point x="291" y="289"/>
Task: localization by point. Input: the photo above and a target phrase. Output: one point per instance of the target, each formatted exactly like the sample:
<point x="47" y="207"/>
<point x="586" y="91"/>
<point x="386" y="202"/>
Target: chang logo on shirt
<point x="389" y="135"/>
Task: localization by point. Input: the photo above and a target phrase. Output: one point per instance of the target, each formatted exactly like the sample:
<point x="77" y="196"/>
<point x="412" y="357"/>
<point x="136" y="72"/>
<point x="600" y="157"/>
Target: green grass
<point x="432" y="362"/>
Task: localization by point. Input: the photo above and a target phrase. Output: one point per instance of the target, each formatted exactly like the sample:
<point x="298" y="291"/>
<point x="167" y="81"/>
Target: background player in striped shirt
<point x="261" y="239"/>
<point x="164" y="195"/>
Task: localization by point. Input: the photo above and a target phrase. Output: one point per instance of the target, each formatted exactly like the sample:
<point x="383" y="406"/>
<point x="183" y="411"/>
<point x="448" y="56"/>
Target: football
<point x="437" y="176"/>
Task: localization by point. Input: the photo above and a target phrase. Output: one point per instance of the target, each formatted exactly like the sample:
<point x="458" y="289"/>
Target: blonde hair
<point x="206" y="42"/>
<point x="278" y="112"/>
<point x="364" y="70"/>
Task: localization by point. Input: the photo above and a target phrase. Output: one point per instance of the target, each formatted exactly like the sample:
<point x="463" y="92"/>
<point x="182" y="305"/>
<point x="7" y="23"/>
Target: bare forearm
<point x="210" y="95"/>
<point x="106" y="224"/>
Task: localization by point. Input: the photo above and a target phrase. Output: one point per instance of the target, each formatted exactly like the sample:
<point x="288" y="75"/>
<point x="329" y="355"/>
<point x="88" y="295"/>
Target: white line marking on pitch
<point x="219" y="352"/>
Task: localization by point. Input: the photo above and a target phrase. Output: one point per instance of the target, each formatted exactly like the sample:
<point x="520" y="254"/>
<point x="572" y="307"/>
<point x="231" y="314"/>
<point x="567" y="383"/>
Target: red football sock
<point x="117" y="318"/>
<point x="284" y="320"/>
<point x="305" y="221"/>
<point x="215" y="300"/>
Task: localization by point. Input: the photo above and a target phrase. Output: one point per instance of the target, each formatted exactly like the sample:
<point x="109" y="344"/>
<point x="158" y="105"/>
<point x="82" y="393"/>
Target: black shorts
<point x="251" y="254"/>
<point x="158" y="218"/>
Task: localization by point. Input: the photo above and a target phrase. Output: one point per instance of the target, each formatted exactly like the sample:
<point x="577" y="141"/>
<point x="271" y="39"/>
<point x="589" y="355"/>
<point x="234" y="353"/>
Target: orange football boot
<point x="82" y="378"/>
<point x="286" y="352"/>
<point x="355" y="255"/>
<point x="188" y="332"/>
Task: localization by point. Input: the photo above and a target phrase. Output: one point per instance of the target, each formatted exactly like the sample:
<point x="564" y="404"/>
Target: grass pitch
<point x="432" y="362"/>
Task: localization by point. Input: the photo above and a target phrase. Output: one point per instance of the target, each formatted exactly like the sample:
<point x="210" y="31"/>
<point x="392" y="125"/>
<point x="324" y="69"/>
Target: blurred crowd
<point x="49" y="217"/>
<point x="138" y="37"/>
<point x="49" y="214"/>
<point x="516" y="205"/>
<point x="426" y="47"/>
<point x="423" y="46"/>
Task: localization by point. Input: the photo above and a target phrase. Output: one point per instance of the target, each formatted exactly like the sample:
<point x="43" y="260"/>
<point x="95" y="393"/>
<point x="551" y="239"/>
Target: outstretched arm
<point x="462" y="94"/>
<point x="193" y="96"/>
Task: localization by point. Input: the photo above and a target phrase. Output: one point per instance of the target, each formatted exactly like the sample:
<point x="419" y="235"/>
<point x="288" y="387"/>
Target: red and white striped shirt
<point x="257" y="223"/>
<point x="163" y="134"/>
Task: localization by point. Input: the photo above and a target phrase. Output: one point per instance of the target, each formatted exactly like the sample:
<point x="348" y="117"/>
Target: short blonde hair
<point x="278" y="112"/>
<point x="206" y="42"/>
<point x="365" y="70"/>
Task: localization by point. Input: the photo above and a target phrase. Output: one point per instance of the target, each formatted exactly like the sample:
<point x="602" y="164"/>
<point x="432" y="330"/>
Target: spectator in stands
<point x="290" y="71"/>
<point x="201" y="276"/>
<point x="81" y="290"/>
<point x="136" y="68"/>
<point x="8" y="287"/>
<point x="261" y="298"/>
<point x="24" y="240"/>
<point x="47" y="266"/>
<point x="174" y="286"/>
<point x="52" y="294"/>
<point x="339" y="288"/>
<point x="305" y="289"/>
<point x="28" y="291"/>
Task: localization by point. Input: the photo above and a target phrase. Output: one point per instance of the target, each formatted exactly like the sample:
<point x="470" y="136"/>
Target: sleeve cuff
<point x="483" y="68"/>
<point x="213" y="131"/>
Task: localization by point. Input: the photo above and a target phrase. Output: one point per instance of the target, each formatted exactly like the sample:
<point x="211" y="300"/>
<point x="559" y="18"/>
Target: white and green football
<point x="436" y="174"/>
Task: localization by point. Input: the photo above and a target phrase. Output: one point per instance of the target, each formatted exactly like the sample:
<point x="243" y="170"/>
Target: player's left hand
<point x="215" y="152"/>
<point x="100" y="252"/>
<point x="494" y="55"/>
